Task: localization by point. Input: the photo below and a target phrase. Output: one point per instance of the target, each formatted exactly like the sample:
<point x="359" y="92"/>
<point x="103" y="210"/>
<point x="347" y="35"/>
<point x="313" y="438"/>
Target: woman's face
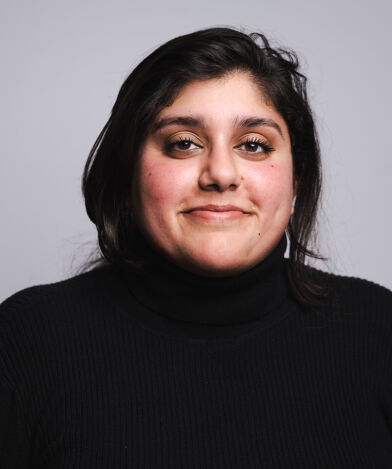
<point x="214" y="186"/>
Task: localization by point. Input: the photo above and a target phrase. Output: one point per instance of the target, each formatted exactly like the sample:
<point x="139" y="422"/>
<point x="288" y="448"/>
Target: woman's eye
<point x="181" y="145"/>
<point x="185" y="145"/>
<point x="255" y="146"/>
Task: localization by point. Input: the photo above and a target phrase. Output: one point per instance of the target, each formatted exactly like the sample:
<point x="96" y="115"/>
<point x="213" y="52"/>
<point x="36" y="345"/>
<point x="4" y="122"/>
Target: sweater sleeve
<point x="13" y="448"/>
<point x="15" y="442"/>
<point x="388" y="374"/>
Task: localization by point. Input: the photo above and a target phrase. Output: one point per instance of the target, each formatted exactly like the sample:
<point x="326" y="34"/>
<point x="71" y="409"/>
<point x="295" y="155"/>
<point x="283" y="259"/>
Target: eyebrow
<point x="249" y="122"/>
<point x="180" y="120"/>
<point x="244" y="123"/>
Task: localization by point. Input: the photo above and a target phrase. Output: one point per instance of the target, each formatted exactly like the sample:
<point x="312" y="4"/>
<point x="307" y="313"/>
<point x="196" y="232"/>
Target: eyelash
<point x="267" y="148"/>
<point x="169" y="147"/>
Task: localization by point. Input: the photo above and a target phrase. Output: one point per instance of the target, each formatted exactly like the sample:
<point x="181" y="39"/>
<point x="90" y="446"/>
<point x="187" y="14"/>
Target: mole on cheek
<point x="242" y="178"/>
<point x="149" y="174"/>
<point x="272" y="166"/>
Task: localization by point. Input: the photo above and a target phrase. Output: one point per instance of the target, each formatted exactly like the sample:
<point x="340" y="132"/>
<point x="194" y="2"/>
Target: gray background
<point x="63" y="63"/>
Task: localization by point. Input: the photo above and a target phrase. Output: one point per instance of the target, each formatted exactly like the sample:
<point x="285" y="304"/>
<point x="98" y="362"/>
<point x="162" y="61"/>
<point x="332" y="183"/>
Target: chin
<point x="223" y="256"/>
<point x="218" y="255"/>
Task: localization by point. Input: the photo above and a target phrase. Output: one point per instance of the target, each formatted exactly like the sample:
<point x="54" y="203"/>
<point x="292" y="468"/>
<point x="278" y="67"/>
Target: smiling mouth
<point x="217" y="213"/>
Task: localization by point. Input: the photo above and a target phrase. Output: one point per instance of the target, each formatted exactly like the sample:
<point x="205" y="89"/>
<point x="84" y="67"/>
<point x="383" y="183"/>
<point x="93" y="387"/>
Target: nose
<point x="219" y="171"/>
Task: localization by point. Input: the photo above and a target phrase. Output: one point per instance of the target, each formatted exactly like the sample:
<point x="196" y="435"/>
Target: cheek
<point x="271" y="185"/>
<point x="161" y="184"/>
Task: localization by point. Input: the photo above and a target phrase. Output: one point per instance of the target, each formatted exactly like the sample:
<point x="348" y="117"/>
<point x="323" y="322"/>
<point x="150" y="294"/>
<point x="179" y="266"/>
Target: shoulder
<point x="356" y="298"/>
<point x="49" y="296"/>
<point x="40" y="313"/>
<point x="355" y="288"/>
<point x="44" y="321"/>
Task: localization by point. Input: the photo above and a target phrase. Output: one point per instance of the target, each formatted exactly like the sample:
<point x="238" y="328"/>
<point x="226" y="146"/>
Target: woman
<point x="194" y="343"/>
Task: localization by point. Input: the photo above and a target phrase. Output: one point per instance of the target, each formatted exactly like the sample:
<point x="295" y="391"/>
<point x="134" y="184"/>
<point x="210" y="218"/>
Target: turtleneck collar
<point x="170" y="291"/>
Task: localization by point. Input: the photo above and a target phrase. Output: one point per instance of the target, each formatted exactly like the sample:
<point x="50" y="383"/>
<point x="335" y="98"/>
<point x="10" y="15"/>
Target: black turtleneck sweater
<point x="164" y="369"/>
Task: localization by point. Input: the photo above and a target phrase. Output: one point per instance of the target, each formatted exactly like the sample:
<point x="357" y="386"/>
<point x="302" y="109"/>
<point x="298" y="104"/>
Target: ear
<point x="295" y="196"/>
<point x="292" y="207"/>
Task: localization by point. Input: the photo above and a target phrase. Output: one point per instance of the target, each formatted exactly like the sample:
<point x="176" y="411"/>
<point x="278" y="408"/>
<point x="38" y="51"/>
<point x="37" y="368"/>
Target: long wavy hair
<point x="153" y="85"/>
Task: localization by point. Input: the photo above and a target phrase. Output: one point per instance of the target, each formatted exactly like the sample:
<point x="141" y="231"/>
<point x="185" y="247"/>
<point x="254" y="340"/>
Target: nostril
<point x="215" y="187"/>
<point x="219" y="187"/>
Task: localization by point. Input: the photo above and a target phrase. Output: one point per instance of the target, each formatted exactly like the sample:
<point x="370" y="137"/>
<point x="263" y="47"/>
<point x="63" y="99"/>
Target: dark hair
<point x="153" y="85"/>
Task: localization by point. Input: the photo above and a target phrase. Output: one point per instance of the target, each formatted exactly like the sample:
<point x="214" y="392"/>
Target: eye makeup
<point x="186" y="144"/>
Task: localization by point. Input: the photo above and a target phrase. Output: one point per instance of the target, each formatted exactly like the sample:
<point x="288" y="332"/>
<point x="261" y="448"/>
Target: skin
<point x="184" y="166"/>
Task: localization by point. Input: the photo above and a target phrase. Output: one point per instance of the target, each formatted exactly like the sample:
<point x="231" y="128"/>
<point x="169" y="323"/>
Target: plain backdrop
<point x="62" y="64"/>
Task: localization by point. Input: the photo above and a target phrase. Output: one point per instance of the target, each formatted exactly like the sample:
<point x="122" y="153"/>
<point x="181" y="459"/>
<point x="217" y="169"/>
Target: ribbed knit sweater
<point x="161" y="368"/>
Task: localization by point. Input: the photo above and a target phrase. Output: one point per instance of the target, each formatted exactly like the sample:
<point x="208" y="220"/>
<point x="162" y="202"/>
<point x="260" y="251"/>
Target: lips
<point x="217" y="213"/>
<point x="216" y="208"/>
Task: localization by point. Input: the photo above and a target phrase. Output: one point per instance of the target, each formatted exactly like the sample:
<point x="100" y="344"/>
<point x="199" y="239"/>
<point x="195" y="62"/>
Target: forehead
<point x="223" y="100"/>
